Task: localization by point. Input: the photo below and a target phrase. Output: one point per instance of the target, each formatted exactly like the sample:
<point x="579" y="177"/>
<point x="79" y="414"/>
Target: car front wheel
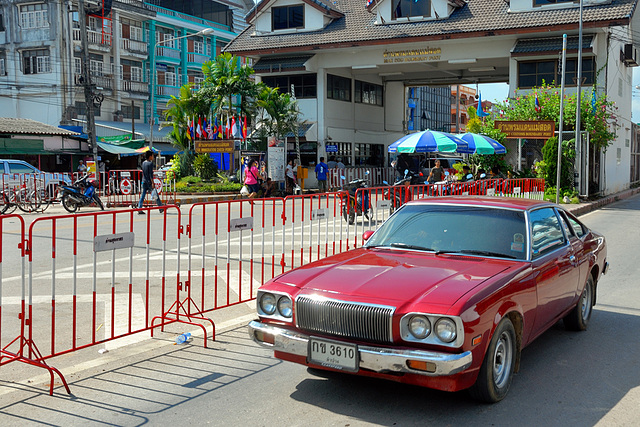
<point x="578" y="318"/>
<point x="498" y="366"/>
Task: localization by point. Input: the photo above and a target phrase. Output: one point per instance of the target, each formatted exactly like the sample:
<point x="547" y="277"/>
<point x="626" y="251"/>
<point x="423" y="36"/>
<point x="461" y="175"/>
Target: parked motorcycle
<point x="81" y="193"/>
<point x="399" y="193"/>
<point x="355" y="203"/>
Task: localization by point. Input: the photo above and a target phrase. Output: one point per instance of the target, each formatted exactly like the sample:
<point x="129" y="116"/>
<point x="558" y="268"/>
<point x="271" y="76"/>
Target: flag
<point x="481" y="112"/>
<point x="235" y="127"/>
<point x="537" y="104"/>
<point x="593" y="102"/>
<point x="209" y="129"/>
<point x="190" y="130"/>
<point x="244" y="128"/>
<point x="227" y="129"/>
<point x="199" y="128"/>
<point x="215" y="129"/>
<point x="220" y="133"/>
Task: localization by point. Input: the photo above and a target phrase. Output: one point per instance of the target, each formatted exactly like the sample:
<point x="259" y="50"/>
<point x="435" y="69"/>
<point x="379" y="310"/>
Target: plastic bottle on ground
<point x="183" y="338"/>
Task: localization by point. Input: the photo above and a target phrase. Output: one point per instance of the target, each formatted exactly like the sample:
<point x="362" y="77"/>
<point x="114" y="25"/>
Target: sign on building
<point x="526" y="128"/>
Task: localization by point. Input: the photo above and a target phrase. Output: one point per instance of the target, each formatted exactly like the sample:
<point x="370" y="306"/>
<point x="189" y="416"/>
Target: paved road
<point x="566" y="378"/>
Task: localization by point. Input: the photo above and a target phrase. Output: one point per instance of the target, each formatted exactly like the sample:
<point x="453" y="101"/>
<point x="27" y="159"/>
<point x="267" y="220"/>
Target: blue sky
<point x="497" y="92"/>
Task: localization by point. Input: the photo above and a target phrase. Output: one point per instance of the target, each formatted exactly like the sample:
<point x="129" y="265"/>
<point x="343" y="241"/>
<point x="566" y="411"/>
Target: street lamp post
<point x="204" y="32"/>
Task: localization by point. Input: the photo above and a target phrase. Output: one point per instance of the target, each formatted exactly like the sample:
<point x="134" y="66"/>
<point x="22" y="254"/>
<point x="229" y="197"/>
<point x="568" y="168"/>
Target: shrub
<point x="205" y="167"/>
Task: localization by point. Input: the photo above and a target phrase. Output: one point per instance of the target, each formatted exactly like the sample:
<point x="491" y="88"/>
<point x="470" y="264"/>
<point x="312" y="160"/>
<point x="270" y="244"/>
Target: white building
<point x="350" y="62"/>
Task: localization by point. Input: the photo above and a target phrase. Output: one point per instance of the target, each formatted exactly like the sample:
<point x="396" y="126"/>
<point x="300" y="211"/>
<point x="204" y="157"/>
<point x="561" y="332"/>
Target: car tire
<point x="498" y="366"/>
<point x="578" y="318"/>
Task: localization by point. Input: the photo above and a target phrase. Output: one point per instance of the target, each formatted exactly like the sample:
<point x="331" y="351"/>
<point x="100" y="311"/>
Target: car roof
<point x="489" y="201"/>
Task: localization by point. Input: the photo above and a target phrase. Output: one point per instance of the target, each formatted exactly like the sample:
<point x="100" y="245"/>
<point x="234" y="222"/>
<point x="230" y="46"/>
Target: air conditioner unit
<point x="629" y="55"/>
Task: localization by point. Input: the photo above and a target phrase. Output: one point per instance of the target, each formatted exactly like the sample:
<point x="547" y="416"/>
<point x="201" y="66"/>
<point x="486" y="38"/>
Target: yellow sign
<point x="215" y="146"/>
<point x="91" y="168"/>
<point x="413" y="55"/>
<point x="527" y="129"/>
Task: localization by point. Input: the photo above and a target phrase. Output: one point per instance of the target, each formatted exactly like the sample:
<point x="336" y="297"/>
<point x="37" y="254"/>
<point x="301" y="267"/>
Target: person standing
<point x="82" y="168"/>
<point x="436" y="174"/>
<point x="147" y="181"/>
<point x="321" y="174"/>
<point x="290" y="176"/>
<point x="332" y="164"/>
<point x="251" y="178"/>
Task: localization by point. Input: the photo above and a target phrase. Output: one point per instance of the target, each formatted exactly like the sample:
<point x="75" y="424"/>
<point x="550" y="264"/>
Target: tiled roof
<point x="478" y="17"/>
<point x="550" y="44"/>
<point x="12" y="125"/>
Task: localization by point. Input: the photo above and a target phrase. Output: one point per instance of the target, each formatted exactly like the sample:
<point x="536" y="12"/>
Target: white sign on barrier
<point x="125" y="186"/>
<point x="157" y="183"/>
<point x="238" y="224"/>
<point x="125" y="174"/>
<point x="319" y="214"/>
<point x="491" y="191"/>
<point x="516" y="190"/>
<point x="383" y="204"/>
<point x="108" y="242"/>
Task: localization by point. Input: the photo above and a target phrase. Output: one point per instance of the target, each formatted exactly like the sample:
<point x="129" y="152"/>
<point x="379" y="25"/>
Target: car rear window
<point x="465" y="229"/>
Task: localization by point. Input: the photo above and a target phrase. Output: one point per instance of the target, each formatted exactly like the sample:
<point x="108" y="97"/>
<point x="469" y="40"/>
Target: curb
<point x="597" y="204"/>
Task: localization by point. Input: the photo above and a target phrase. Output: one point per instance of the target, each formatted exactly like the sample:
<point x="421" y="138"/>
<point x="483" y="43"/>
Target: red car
<point x="445" y="294"/>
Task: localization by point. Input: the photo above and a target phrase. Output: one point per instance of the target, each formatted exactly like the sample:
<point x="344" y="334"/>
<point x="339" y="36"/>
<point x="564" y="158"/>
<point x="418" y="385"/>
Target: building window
<point x="128" y="112"/>
<point x="131" y="29"/>
<point x="131" y="70"/>
<point x="2" y="69"/>
<point x="1" y="22"/>
<point x="338" y="88"/>
<point x="164" y="34"/>
<point x="34" y="16"/>
<point x="170" y="79"/>
<point x="407" y="8"/>
<point x="369" y="154"/>
<point x="77" y="65"/>
<point x="344" y="152"/>
<point x="368" y="93"/>
<point x="198" y="47"/>
<point x="36" y="61"/>
<point x="287" y="17"/>
<point x="544" y="2"/>
<point x="304" y="85"/>
<point x="81" y="109"/>
<point x="534" y="73"/>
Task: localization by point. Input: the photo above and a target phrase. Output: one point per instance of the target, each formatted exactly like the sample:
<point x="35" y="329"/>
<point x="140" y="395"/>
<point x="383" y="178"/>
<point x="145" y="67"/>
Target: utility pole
<point x="88" y="87"/>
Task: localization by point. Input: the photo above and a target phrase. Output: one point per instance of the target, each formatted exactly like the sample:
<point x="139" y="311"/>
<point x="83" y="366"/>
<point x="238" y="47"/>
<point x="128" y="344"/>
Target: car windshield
<point x="472" y="230"/>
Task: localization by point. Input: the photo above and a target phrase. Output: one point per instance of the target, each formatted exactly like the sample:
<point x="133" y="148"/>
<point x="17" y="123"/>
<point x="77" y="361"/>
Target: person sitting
<point x="466" y="171"/>
<point x="268" y="188"/>
<point x="495" y="173"/>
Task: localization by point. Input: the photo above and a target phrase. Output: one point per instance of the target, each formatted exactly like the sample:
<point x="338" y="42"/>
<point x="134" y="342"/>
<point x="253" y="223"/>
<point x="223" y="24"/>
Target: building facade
<point x="41" y="56"/>
<point x="354" y="61"/>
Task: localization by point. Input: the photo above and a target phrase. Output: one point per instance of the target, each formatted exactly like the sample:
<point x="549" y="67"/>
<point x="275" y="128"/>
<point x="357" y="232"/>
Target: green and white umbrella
<point x="428" y="141"/>
<point x="480" y="144"/>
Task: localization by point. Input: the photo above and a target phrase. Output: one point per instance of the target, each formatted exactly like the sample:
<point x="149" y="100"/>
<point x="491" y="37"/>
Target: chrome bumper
<point x="377" y="359"/>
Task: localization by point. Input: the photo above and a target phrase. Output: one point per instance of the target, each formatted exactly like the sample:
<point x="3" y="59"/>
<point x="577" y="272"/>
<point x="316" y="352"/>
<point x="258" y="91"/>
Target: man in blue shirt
<point x="321" y="174"/>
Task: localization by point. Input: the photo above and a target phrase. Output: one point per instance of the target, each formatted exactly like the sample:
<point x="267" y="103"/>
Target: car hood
<point x="399" y="276"/>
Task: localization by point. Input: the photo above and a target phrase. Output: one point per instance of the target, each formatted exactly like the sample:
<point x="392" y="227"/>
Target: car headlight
<point x="446" y="330"/>
<point x="420" y="327"/>
<point x="285" y="307"/>
<point x="268" y="303"/>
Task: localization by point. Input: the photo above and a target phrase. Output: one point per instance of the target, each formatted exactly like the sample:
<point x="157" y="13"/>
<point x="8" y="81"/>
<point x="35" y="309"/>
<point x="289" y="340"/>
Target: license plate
<point x="333" y="354"/>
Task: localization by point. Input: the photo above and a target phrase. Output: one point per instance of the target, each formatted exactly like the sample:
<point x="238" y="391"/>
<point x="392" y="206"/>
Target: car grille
<point x="344" y="319"/>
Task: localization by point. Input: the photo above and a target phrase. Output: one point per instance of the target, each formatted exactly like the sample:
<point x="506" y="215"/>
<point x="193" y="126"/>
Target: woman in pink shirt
<point x="251" y="178"/>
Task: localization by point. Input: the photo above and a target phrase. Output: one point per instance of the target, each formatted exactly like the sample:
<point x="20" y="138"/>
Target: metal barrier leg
<point x="182" y="308"/>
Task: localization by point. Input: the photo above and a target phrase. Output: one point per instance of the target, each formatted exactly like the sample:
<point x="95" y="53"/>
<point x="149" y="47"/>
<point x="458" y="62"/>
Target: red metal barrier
<point x="122" y="188"/>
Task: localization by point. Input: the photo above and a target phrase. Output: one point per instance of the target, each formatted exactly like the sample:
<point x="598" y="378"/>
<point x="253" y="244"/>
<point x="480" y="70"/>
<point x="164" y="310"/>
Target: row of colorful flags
<point x="211" y="129"/>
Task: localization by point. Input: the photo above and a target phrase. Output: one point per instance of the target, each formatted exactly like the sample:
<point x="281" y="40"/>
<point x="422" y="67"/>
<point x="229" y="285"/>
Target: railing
<point x="163" y="90"/>
<point x="167" y="52"/>
<point x="133" y="46"/>
<point x="197" y="58"/>
<point x="173" y="13"/>
<point x="139" y="87"/>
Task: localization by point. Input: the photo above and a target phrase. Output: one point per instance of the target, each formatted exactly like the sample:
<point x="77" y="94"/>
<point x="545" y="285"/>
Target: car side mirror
<point x="366" y="172"/>
<point x="469" y="176"/>
<point x="446" y="173"/>
<point x="367" y="234"/>
<point x="483" y="175"/>
<point x="406" y="171"/>
<point x="385" y="182"/>
<point x="342" y="177"/>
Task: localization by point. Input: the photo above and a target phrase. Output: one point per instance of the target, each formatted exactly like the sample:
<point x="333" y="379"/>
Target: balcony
<point x="102" y="82"/>
<point x="163" y="90"/>
<point x="197" y="58"/>
<point x="140" y="88"/>
<point x="168" y="52"/>
<point x="96" y="39"/>
<point x="134" y="46"/>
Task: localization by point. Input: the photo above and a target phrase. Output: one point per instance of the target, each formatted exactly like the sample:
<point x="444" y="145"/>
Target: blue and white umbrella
<point x="481" y="144"/>
<point x="428" y="141"/>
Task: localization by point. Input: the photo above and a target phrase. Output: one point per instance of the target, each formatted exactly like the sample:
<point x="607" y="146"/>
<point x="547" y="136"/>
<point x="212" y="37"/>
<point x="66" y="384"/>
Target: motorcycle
<point x="402" y="194"/>
<point x="81" y="193"/>
<point x="355" y="203"/>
